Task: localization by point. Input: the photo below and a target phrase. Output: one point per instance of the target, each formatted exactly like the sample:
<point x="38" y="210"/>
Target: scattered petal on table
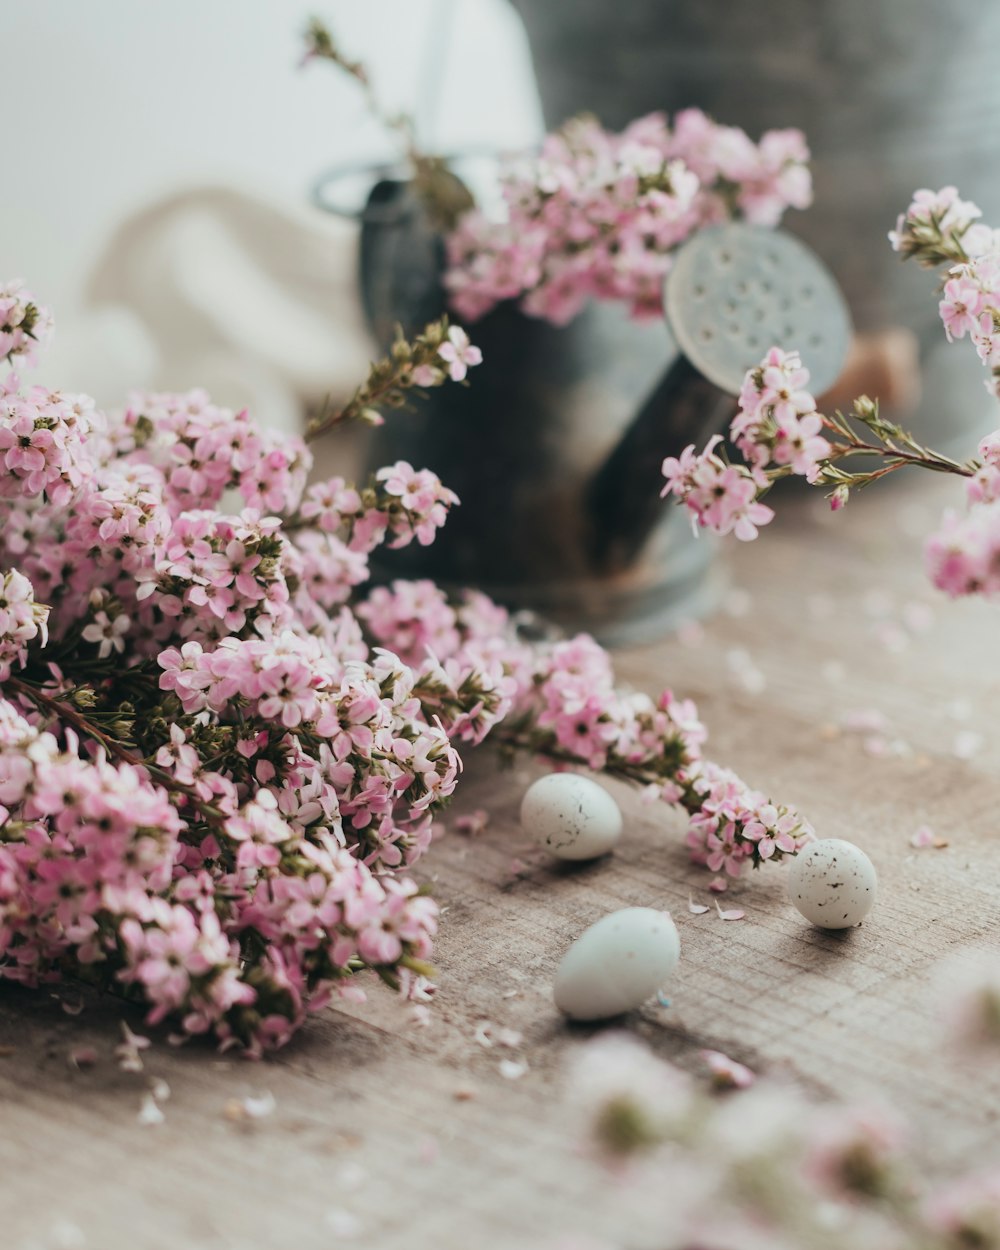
<point x="967" y="744"/>
<point x="473" y="823"/>
<point x="82" y="1057"/>
<point x="159" y="1088"/>
<point x="149" y="1112"/>
<point x="253" y="1107"/>
<point x="513" y="1069"/>
<point x="342" y="1223"/>
<point x="925" y="836"/>
<point x="729" y="913"/>
<point x="726" y="1072"/>
<point x="696" y="909"/>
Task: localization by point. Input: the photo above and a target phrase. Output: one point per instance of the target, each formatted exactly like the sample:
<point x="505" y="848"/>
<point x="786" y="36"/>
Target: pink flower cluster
<point x="777" y="423"/>
<point x="941" y="228"/>
<point x="719" y="496"/>
<point x="403" y="504"/>
<point x="777" y="429"/>
<point x="43" y="441"/>
<point x="203" y="450"/>
<point x="22" y="621"/>
<point x="937" y="225"/>
<point x="24" y="325"/>
<point x="735" y="824"/>
<point x="213" y="795"/>
<point x="217" y="772"/>
<point x="560" y="701"/>
<point x="597" y="215"/>
<point x="963" y="555"/>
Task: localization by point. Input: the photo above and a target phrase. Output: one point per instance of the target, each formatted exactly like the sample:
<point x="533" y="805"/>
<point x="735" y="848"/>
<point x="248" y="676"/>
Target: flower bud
<point x="839" y="497"/>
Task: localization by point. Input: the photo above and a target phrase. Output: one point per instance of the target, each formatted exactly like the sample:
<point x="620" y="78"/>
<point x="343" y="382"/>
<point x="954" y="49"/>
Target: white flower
<point x="110" y="634"/>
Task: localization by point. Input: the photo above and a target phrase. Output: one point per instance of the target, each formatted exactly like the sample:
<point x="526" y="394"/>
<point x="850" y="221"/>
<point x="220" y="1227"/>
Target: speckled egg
<point x="571" y="816"/>
<point x="617" y="963"/>
<point x="833" y="883"/>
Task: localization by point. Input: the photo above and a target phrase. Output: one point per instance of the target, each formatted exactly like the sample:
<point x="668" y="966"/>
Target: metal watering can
<point x="555" y="447"/>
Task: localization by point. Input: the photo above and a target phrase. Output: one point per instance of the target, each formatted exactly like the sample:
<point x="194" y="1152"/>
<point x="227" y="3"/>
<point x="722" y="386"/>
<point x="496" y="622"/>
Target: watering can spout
<point x="623" y="501"/>
<point x="733" y="292"/>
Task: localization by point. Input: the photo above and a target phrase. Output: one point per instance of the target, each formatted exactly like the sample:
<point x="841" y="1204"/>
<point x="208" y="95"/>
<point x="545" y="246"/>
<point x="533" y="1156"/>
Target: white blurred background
<point x="195" y="122"/>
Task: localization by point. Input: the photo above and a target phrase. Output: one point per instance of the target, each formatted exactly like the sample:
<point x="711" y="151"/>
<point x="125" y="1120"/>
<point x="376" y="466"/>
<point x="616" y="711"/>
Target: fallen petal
<point x="513" y="1069"/>
<point x="726" y="1072"/>
<point x="149" y="1113"/>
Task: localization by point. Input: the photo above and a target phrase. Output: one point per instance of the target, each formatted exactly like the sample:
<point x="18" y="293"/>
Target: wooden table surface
<point x="388" y="1134"/>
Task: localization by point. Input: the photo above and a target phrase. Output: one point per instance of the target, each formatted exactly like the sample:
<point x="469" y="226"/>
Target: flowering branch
<point x="598" y="215"/>
<point x="445" y="196"/>
<point x="440" y="352"/>
<point x="320" y="45"/>
<point x="559" y="701"/>
<point x="24" y="325"/>
<point x="272" y="749"/>
<point x="779" y="432"/>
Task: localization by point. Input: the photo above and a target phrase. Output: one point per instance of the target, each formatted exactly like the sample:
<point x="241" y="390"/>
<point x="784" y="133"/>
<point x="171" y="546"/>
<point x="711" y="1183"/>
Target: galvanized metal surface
<point x="736" y="290"/>
<point x="892" y="95"/>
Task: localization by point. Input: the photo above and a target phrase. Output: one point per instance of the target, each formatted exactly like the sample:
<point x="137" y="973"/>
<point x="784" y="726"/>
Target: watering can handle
<point x="623" y="498"/>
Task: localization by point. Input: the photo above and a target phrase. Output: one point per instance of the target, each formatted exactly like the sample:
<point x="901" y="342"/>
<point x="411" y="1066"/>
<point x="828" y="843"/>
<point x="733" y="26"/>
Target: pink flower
<point x="459" y="354"/>
<point x="720" y="497"/>
<point x="960" y="307"/>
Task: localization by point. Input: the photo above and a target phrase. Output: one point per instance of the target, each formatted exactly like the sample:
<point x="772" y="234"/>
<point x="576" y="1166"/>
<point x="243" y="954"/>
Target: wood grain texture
<point x="413" y="1131"/>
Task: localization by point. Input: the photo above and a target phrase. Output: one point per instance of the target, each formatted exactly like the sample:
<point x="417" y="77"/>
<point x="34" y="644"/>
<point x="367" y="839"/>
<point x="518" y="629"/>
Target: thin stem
<point x="69" y="714"/>
<point x="389" y="380"/>
<point x="352" y="410"/>
<point x="896" y="457"/>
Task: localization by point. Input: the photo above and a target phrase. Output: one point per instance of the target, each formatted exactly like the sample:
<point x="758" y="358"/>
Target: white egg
<point x="832" y="883"/>
<point x="571" y="816"/>
<point x="617" y="963"/>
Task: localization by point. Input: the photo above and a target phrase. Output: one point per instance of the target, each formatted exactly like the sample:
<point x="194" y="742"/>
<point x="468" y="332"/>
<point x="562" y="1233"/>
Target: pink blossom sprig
<point x="779" y="433"/>
<point x="441" y="352"/>
<point x="559" y="701"/>
<point x="935" y="229"/>
<point x="22" y="621"/>
<point x="597" y="215"/>
<point x="444" y="195"/>
<point x="24" y="324"/>
<point x="401" y="504"/>
<point x="940" y="229"/>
